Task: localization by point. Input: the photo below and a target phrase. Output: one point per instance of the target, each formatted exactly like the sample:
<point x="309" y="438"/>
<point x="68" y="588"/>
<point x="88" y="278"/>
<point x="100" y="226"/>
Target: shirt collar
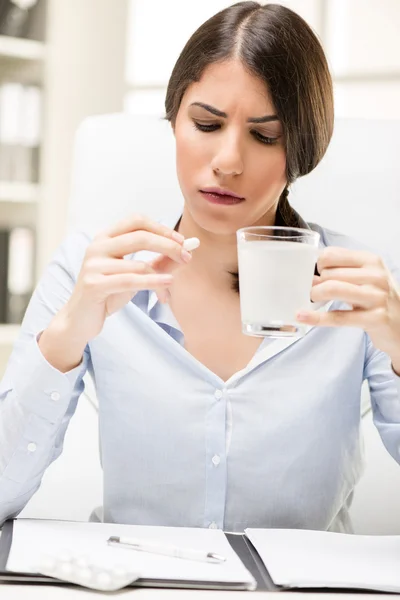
<point x="147" y="300"/>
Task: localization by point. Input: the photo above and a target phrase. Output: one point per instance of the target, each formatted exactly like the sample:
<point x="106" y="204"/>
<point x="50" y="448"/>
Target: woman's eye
<point x="264" y="139"/>
<point x="209" y="127"/>
<point x="214" y="126"/>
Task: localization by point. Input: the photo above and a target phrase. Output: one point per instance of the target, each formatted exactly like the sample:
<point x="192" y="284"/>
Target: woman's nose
<point x="228" y="160"/>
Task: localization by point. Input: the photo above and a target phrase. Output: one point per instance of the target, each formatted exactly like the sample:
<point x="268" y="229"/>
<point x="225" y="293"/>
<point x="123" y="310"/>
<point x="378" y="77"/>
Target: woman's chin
<point x="218" y="220"/>
<point x="217" y="224"/>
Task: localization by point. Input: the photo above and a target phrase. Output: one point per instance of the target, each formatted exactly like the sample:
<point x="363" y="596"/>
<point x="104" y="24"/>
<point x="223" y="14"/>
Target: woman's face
<point x="228" y="139"/>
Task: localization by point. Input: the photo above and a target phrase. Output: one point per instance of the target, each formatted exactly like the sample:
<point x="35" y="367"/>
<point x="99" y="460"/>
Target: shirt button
<point x="55" y="396"/>
<point x="218" y="394"/>
<point x="213" y="525"/>
<point x="31" y="447"/>
<point x="216" y="460"/>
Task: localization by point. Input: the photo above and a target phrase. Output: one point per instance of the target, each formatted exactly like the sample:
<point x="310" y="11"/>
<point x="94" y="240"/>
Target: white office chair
<point x="125" y="164"/>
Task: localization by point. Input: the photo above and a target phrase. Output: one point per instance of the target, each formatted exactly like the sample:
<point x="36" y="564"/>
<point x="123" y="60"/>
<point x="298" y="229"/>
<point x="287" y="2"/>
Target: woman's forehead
<point x="228" y="85"/>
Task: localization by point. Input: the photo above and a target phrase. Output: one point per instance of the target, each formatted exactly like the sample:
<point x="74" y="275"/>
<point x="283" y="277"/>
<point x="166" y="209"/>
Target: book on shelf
<point x="20" y="132"/>
<point x="17" y="250"/>
<point x="4" y="239"/>
<point x="18" y="17"/>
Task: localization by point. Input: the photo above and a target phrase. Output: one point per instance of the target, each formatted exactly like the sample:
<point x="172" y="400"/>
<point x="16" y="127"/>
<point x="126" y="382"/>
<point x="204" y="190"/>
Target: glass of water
<point x="276" y="268"/>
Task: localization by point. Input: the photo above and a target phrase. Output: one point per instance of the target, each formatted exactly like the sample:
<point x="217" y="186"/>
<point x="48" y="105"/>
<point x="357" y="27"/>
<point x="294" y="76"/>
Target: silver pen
<point x="173" y="551"/>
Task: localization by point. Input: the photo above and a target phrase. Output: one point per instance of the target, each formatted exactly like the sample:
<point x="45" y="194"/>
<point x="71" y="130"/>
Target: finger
<point x="136" y="241"/>
<point x="365" y="319"/>
<point x="112" y="266"/>
<point x="163" y="295"/>
<point x="360" y="276"/>
<point x="343" y="257"/>
<point x="316" y="280"/>
<point x="137" y="222"/>
<point x="365" y="296"/>
<point x="114" y="284"/>
<point x="163" y="264"/>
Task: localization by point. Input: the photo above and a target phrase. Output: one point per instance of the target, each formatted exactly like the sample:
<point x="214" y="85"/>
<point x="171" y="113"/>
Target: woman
<point x="200" y="425"/>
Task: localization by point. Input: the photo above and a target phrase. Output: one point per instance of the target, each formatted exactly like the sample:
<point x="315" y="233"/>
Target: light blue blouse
<point x="277" y="445"/>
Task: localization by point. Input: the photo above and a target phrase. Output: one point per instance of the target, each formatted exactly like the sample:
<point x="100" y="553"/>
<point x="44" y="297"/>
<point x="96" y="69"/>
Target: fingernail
<point x="186" y="256"/>
<point x="178" y="237"/>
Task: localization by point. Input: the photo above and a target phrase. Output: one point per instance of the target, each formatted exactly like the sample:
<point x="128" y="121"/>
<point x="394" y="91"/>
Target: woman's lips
<point x="224" y="199"/>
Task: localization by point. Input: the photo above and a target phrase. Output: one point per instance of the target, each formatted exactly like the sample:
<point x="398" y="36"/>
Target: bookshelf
<point x="14" y="53"/>
<point x="11" y="191"/>
<point x="80" y="70"/>
<point x="21" y="49"/>
<point x="21" y="60"/>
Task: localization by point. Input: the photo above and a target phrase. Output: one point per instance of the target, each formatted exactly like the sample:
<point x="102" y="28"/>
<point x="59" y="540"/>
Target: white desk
<point x="50" y="592"/>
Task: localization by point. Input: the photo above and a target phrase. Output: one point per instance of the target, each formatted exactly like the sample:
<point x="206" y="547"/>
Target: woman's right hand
<point x="107" y="281"/>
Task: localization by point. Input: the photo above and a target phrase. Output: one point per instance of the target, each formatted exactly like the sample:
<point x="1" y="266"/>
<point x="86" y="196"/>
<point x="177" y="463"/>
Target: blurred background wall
<point x="361" y="39"/>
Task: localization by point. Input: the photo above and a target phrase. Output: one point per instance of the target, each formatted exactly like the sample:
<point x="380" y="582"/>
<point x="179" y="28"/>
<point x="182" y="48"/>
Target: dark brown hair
<point x="275" y="44"/>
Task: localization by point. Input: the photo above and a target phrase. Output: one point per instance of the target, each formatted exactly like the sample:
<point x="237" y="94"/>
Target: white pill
<point x="82" y="562"/>
<point x="66" y="568"/>
<point x="85" y="574"/>
<point x="119" y="571"/>
<point x="191" y="244"/>
<point x="103" y="578"/>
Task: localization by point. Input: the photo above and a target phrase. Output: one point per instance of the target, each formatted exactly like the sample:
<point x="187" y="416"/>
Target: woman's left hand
<point x="362" y="280"/>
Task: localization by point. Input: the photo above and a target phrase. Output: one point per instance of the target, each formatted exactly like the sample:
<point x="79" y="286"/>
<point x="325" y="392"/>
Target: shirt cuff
<point x="41" y="388"/>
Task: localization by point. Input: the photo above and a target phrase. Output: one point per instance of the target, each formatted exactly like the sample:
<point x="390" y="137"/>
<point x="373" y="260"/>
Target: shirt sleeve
<point x="384" y="387"/>
<point x="36" y="400"/>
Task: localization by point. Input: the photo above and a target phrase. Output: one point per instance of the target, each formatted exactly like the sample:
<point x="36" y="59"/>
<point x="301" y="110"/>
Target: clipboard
<point x="301" y="560"/>
<point x="239" y="543"/>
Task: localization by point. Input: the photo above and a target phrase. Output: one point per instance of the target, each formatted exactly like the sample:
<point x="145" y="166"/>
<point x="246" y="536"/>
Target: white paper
<point x="35" y="538"/>
<point x="304" y="558"/>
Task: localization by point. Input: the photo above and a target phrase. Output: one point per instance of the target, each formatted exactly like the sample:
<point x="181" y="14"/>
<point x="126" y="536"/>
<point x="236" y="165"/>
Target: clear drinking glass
<point x="276" y="268"/>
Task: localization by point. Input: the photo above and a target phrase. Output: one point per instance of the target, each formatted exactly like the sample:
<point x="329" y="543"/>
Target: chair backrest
<point x="122" y="164"/>
<point x="356" y="187"/>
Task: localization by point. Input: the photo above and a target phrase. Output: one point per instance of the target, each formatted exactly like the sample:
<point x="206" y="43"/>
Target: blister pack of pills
<point x="80" y="571"/>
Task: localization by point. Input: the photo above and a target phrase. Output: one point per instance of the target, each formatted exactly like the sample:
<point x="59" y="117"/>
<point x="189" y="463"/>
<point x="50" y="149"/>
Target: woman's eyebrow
<point x="265" y="119"/>
<point x="211" y="109"/>
<point x="220" y="113"/>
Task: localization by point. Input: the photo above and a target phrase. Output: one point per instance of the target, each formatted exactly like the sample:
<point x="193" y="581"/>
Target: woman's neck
<point x="216" y="255"/>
